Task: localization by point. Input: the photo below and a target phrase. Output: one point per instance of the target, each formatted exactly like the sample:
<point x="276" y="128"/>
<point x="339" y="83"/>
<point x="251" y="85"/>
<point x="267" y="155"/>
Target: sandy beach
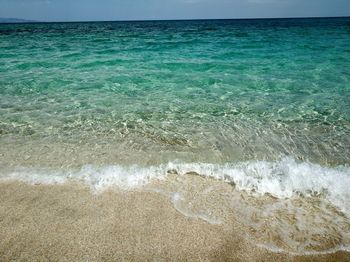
<point x="69" y="223"/>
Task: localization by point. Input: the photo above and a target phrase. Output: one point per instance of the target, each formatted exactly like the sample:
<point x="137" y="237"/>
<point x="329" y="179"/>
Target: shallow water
<point x="261" y="106"/>
<point x="194" y="90"/>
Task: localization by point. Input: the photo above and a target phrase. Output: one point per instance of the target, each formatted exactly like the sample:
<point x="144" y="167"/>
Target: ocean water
<point x="252" y="115"/>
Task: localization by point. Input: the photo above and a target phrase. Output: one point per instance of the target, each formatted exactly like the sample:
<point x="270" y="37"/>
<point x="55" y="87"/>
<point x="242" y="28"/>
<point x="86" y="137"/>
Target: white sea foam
<point x="308" y="253"/>
<point x="285" y="178"/>
<point x="36" y="176"/>
<point x="97" y="178"/>
<point x="282" y="179"/>
<point x="123" y="177"/>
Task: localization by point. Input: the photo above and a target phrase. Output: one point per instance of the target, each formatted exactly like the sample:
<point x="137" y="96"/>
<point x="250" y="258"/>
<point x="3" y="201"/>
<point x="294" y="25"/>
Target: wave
<point x="285" y="178"/>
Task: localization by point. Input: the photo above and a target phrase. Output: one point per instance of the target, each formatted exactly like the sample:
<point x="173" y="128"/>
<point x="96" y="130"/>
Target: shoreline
<point x="68" y="222"/>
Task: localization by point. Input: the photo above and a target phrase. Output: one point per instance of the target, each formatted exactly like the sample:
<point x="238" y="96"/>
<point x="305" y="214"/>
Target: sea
<point x="246" y="116"/>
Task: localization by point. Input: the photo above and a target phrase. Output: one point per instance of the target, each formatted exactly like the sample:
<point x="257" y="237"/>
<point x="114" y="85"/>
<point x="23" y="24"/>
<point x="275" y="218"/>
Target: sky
<point x="103" y="10"/>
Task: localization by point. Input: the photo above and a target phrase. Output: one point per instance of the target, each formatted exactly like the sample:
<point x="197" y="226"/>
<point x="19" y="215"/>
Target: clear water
<point x="212" y="91"/>
<point x="249" y="102"/>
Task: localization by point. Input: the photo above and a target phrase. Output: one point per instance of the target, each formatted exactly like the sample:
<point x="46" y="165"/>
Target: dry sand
<point x="68" y="223"/>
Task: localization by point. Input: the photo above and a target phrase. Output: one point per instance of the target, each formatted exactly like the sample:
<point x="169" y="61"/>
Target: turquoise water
<point x="213" y="91"/>
<point x="261" y="107"/>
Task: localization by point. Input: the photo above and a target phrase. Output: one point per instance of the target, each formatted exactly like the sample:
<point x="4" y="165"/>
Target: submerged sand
<point x="69" y="223"/>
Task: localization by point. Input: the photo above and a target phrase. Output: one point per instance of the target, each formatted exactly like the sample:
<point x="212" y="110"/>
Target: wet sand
<point x="69" y="223"/>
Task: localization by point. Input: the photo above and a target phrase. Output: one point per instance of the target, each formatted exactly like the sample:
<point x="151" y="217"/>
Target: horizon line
<point x="28" y="21"/>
